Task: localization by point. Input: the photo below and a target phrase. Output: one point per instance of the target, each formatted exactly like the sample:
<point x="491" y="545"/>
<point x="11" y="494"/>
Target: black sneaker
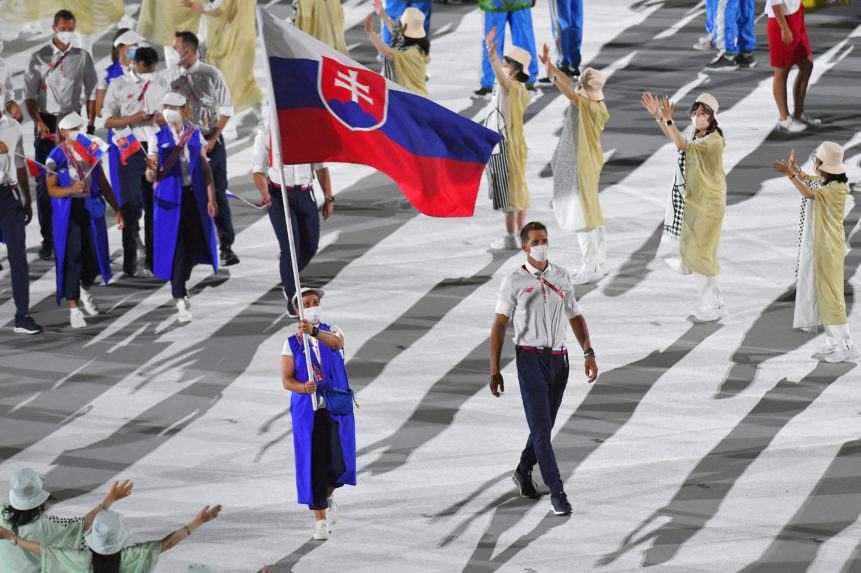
<point x="723" y="63"/>
<point x="572" y="72"/>
<point x="525" y="485"/>
<point x="560" y="504"/>
<point x="291" y="310"/>
<point x="27" y="325"/>
<point x="228" y="257"/>
<point x="483" y="91"/>
<point x="46" y="251"/>
<point x="546" y="80"/>
<point x="746" y="61"/>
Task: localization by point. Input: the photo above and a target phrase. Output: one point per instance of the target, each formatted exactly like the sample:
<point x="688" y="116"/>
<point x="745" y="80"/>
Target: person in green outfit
<point x="106" y="550"/>
<point x="25" y="517"/>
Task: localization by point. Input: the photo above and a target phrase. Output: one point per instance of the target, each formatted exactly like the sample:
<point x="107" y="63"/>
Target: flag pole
<point x="278" y="163"/>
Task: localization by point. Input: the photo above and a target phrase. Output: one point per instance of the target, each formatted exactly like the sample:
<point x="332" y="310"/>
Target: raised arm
<point x="119" y="490"/>
<point x="378" y="42"/>
<point x="791" y="169"/>
<point x="564" y="83"/>
<point x="205" y="515"/>
<point x="495" y="63"/>
<point x="662" y="110"/>
<point x="381" y="12"/>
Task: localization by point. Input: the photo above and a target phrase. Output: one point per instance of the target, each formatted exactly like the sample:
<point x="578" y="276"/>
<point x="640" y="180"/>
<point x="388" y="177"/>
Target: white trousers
<point x="593" y="247"/>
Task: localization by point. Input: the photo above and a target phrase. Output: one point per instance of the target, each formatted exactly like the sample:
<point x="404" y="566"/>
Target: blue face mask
<point x="130" y="52"/>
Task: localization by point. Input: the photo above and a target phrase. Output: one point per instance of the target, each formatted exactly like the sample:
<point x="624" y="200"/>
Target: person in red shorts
<point x="788" y="46"/>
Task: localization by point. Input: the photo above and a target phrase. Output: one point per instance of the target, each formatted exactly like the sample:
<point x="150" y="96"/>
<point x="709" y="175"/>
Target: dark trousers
<point x="12" y="227"/>
<point x="543" y="377"/>
<point x="132" y="180"/>
<point x="190" y="244"/>
<point x="41" y="148"/>
<point x="80" y="267"/>
<point x="306" y="231"/>
<point x="223" y="221"/>
<point x="327" y="461"/>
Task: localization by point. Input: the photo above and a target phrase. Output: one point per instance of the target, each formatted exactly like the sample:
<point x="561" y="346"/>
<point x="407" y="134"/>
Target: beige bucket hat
<point x="831" y="156"/>
<point x="520" y="56"/>
<point x="413" y="20"/>
<point x="592" y="84"/>
<point x="710" y="101"/>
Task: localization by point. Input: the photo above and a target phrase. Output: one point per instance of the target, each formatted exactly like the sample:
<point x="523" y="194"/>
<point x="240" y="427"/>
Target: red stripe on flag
<point x="437" y="187"/>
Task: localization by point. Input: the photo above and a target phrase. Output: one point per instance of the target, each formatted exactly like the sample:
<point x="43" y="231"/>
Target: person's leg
<point x="576" y="40"/>
<point x="320" y="454"/>
<point x="182" y="255"/>
<point x="511" y="222"/>
<point x="427" y="9"/>
<point x="295" y="207"/>
<point x="747" y="26"/>
<point x="799" y="89"/>
<point x="130" y="176"/>
<point x="491" y="20"/>
<point x="558" y="382"/>
<point x="588" y="250"/>
<point x="14" y="234"/>
<point x="73" y="261"/>
<point x="778" y="90"/>
<point x="559" y="17"/>
<point x="308" y="222"/>
<point x="42" y="147"/>
<point x="602" y="246"/>
<point x="89" y="259"/>
<point x="720" y="25"/>
<point x="523" y="35"/>
<point x="224" y="220"/>
<point x="520" y="220"/>
<point x="711" y="9"/>
<point x="731" y="31"/>
<point x="534" y="374"/>
<point x="276" y="218"/>
<point x="147" y="193"/>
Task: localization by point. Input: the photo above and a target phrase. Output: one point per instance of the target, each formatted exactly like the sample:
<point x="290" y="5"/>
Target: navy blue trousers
<point x="14" y="235"/>
<point x="306" y="231"/>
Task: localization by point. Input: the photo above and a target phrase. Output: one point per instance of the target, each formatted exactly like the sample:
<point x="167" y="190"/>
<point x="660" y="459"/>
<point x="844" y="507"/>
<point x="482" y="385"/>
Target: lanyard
<point x="545" y="283"/>
<point x="143" y="91"/>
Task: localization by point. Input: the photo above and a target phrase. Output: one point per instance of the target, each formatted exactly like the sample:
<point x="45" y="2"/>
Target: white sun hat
<point x="71" y="121"/>
<point x="107" y="535"/>
<point x="27" y="490"/>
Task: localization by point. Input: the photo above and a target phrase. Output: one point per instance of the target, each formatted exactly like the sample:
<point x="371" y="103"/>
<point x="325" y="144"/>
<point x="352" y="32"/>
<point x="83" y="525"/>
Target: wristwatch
<point x="669" y="122"/>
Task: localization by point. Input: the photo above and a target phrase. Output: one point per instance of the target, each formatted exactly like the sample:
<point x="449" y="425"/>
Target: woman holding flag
<point x="512" y="101"/>
<point x="184" y="201"/>
<point x="78" y="190"/>
<point x="324" y="438"/>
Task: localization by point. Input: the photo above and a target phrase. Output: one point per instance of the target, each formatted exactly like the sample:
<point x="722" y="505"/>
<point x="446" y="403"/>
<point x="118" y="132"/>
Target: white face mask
<point x="66" y="38"/>
<point x="172" y="116"/>
<point x="538" y="253"/>
<point x="701" y="122"/>
<point x="312" y="314"/>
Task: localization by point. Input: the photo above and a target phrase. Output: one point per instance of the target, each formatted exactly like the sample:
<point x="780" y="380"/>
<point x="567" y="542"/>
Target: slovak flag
<point x="35" y="168"/>
<point x="333" y="109"/>
<point x="91" y="151"/>
<point x="127" y="144"/>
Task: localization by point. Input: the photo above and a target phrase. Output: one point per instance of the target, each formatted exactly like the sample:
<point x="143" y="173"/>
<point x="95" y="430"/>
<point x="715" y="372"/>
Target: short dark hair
<point x="530" y="226"/>
<point x="63" y="15"/>
<point x="147" y="56"/>
<point x="189" y="39"/>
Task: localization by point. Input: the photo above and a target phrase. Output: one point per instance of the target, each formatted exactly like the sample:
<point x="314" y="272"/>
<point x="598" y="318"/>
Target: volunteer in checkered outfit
<point x="703" y="200"/>
<point x="539" y="297"/>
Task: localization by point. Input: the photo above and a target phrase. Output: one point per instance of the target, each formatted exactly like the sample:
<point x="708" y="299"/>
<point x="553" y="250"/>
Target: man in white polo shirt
<point x="540" y="298"/>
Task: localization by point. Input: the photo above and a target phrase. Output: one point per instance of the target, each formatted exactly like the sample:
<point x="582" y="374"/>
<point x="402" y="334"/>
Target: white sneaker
<point x="707" y="314"/>
<point x="703" y="44"/>
<point x="824" y="350"/>
<point x="790" y="125"/>
<point x="809" y="121"/>
<point x="332" y="512"/>
<point x="144" y="273"/>
<point x="845" y="352"/>
<point x="89" y="304"/>
<point x="506" y="243"/>
<point x="76" y="318"/>
<point x="321" y="530"/>
<point x="183" y="310"/>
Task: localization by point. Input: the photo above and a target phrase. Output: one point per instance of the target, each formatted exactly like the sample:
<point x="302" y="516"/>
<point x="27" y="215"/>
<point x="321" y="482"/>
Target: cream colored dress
<point x="411" y="69"/>
<point x="705" y="204"/>
<point x="140" y="558"/>
<point x="512" y="104"/>
<point x="231" y="42"/>
<point x="323" y="19"/>
<point x="160" y="19"/>
<point x="90" y="15"/>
